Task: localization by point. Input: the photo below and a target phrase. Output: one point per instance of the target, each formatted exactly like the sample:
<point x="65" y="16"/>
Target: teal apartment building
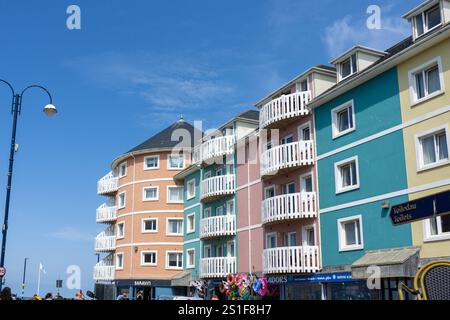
<point x="361" y="168"/>
<point x="210" y="247"/>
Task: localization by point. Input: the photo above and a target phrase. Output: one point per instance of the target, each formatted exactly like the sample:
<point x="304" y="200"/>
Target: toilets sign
<point x="420" y="209"/>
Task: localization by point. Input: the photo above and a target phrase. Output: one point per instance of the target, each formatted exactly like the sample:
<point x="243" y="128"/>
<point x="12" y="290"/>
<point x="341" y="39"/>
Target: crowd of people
<point x="6" y="294"/>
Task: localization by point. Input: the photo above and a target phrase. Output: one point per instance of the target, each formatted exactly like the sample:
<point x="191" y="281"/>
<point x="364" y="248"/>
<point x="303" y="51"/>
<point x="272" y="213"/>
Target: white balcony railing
<point x="289" y="155"/>
<point x="107" y="212"/>
<point x="217" y="186"/>
<point x="108" y="184"/>
<point x="224" y="225"/>
<point x="105" y="240"/>
<point x="291" y="260"/>
<point x="218" y="267"/>
<point x="284" y="107"/>
<point x="289" y="207"/>
<point x="213" y="148"/>
<point x="104" y="270"/>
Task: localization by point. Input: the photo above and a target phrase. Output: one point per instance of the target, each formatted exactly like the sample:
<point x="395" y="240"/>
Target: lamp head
<point x="50" y="110"/>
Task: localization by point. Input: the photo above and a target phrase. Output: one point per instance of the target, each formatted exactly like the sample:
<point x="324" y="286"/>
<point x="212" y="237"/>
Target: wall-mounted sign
<point x="420" y="209"/>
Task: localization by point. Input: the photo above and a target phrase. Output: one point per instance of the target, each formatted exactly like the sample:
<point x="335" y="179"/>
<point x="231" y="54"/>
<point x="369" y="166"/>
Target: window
<point x="119" y="261"/>
<point x="288" y="139"/>
<point x="343" y="118"/>
<point x="304" y="132"/>
<point x="176" y="161"/>
<point x="230" y="207"/>
<point x="348" y="66"/>
<point x="350" y="233"/>
<point x="123" y="169"/>
<point x="174" y="260"/>
<point x="120" y="230"/>
<point x="271" y="240"/>
<point x="306" y="183"/>
<point x="190" y="189"/>
<point x="175" y="194"/>
<point x="149" y="225"/>
<point x="207" y="213"/>
<point x="207" y="175"/>
<point x="269" y="192"/>
<point x="174" y="227"/>
<point x="151" y="193"/>
<point x="148" y="258"/>
<point x="190" y="258"/>
<point x="151" y="162"/>
<point x="303" y="86"/>
<point x="308" y="235"/>
<point x="290" y="239"/>
<point x="122" y="200"/>
<point x="190" y="221"/>
<point x="207" y="251"/>
<point x="219" y="211"/>
<point x="428" y="20"/>
<point x="346" y="175"/>
<point x="426" y="81"/>
<point x="432" y="148"/>
<point x="289" y="188"/>
<point x="437" y="228"/>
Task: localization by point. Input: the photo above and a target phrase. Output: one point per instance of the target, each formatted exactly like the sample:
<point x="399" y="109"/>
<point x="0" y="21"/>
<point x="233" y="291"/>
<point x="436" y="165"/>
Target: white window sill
<point x="152" y="231"/>
<point x="152" y="168"/>
<point x="347" y="189"/>
<point x="441" y="237"/>
<point x="190" y="231"/>
<point x="174" y="268"/>
<point x="190" y="198"/>
<point x="149" y="265"/>
<point x="342" y="133"/>
<point x="175" y="169"/>
<point x="426" y="98"/>
<point x="175" y="202"/>
<point x="150" y="200"/>
<point x="190" y="267"/>
<point x="119" y="268"/>
<point x="352" y="248"/>
<point x="174" y="234"/>
<point x="433" y="166"/>
<point x="120" y="238"/>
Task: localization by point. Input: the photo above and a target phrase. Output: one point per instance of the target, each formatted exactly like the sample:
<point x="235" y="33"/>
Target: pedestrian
<point x="6" y="294"/>
<point x="79" y="295"/>
<point x="215" y="297"/>
<point x="48" y="296"/>
<point x="139" y="296"/>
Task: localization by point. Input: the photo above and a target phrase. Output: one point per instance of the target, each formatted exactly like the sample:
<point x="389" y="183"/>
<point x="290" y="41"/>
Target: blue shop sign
<point x="313" y="278"/>
<point x="421" y="209"/>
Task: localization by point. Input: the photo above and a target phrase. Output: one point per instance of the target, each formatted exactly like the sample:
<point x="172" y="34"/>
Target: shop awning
<point x="182" y="279"/>
<point x="393" y="263"/>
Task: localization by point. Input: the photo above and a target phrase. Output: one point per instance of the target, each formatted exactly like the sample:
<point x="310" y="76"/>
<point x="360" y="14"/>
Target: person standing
<point x="6" y="294"/>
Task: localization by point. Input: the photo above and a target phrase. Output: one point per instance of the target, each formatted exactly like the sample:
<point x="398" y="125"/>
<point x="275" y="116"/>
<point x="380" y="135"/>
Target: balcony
<point x="106" y="213"/>
<point x="218" y="226"/>
<point x="218" y="267"/>
<point x="286" y="157"/>
<point x="108" y="184"/>
<point x="216" y="187"/>
<point x="214" y="148"/>
<point x="303" y="259"/>
<point x="106" y="240"/>
<point x="289" y="207"/>
<point x="284" y="108"/>
<point x="104" y="270"/>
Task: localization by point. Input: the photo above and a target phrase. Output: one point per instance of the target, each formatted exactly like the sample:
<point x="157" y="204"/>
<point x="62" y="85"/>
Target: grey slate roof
<point x="163" y="139"/>
<point x="249" y="114"/>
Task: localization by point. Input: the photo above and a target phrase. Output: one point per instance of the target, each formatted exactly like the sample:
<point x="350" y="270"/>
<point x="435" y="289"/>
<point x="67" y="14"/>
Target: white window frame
<point x="117" y="260"/>
<point x="190" y="196"/>
<point x="143" y="230"/>
<point x="419" y="151"/>
<point x="338" y="177"/>
<point x="300" y="131"/>
<point x="169" y="167"/>
<point x="150" y="199"/>
<point x="304" y="236"/>
<point x="167" y="260"/>
<point x="290" y="135"/>
<point x="188" y="229"/>
<point x="209" y="209"/>
<point x="428" y="237"/>
<point x="118" y="236"/>
<point x="352" y="72"/>
<point x="119" y="205"/>
<point x="188" y="265"/>
<point x="341" y="234"/>
<point x="219" y="208"/>
<point x="151" y="168"/>
<point x="210" y="250"/>
<point x="228" y="206"/>
<point x="413" y="85"/>
<point x="149" y="264"/>
<point x="306" y="174"/>
<point x="168" y="193"/>
<point x="123" y="164"/>
<point x="270" y="187"/>
<point x="167" y="226"/>
<point x="424" y="21"/>
<point x="269" y="234"/>
<point x="288" y="238"/>
<point x="334" y="125"/>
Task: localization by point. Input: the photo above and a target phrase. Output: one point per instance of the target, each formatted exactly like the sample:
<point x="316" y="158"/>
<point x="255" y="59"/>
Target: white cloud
<point x="348" y="31"/>
<point x="71" y="234"/>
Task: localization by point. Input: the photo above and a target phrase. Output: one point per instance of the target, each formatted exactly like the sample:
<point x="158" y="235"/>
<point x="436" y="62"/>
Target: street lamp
<point x="23" y="278"/>
<point x="16" y="107"/>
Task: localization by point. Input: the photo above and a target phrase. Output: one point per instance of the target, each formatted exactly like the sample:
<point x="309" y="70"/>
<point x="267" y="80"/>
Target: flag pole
<point x="39" y="280"/>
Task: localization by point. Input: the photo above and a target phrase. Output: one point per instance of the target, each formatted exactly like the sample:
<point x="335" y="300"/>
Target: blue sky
<point x="130" y="71"/>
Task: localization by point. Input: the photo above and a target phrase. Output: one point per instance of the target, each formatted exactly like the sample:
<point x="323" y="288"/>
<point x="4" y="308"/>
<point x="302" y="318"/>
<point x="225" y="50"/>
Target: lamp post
<point x="23" y="278"/>
<point x="16" y="106"/>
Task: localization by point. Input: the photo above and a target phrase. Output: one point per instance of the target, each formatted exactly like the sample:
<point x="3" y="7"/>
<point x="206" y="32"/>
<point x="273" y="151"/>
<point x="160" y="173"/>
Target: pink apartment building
<point x="278" y="223"/>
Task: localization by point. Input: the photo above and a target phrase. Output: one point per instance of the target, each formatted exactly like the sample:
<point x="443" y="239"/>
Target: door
<point x="207" y="213"/>
<point x="269" y="192"/>
<point x="288" y="139"/>
<point x="309" y="236"/>
<point x="306" y="183"/>
<point x="230" y="249"/>
<point x="289" y="188"/>
<point x="290" y="239"/>
<point x="219" y="251"/>
<point x="207" y="251"/>
<point x="271" y="240"/>
<point x="304" y="133"/>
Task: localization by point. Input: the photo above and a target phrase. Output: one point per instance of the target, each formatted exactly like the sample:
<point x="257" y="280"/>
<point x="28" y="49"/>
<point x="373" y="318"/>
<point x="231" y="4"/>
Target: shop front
<point x="148" y="289"/>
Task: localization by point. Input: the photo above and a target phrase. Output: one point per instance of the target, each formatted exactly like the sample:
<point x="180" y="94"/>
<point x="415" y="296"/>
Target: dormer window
<point x="303" y="86"/>
<point x="428" y="20"/>
<point x="348" y="66"/>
